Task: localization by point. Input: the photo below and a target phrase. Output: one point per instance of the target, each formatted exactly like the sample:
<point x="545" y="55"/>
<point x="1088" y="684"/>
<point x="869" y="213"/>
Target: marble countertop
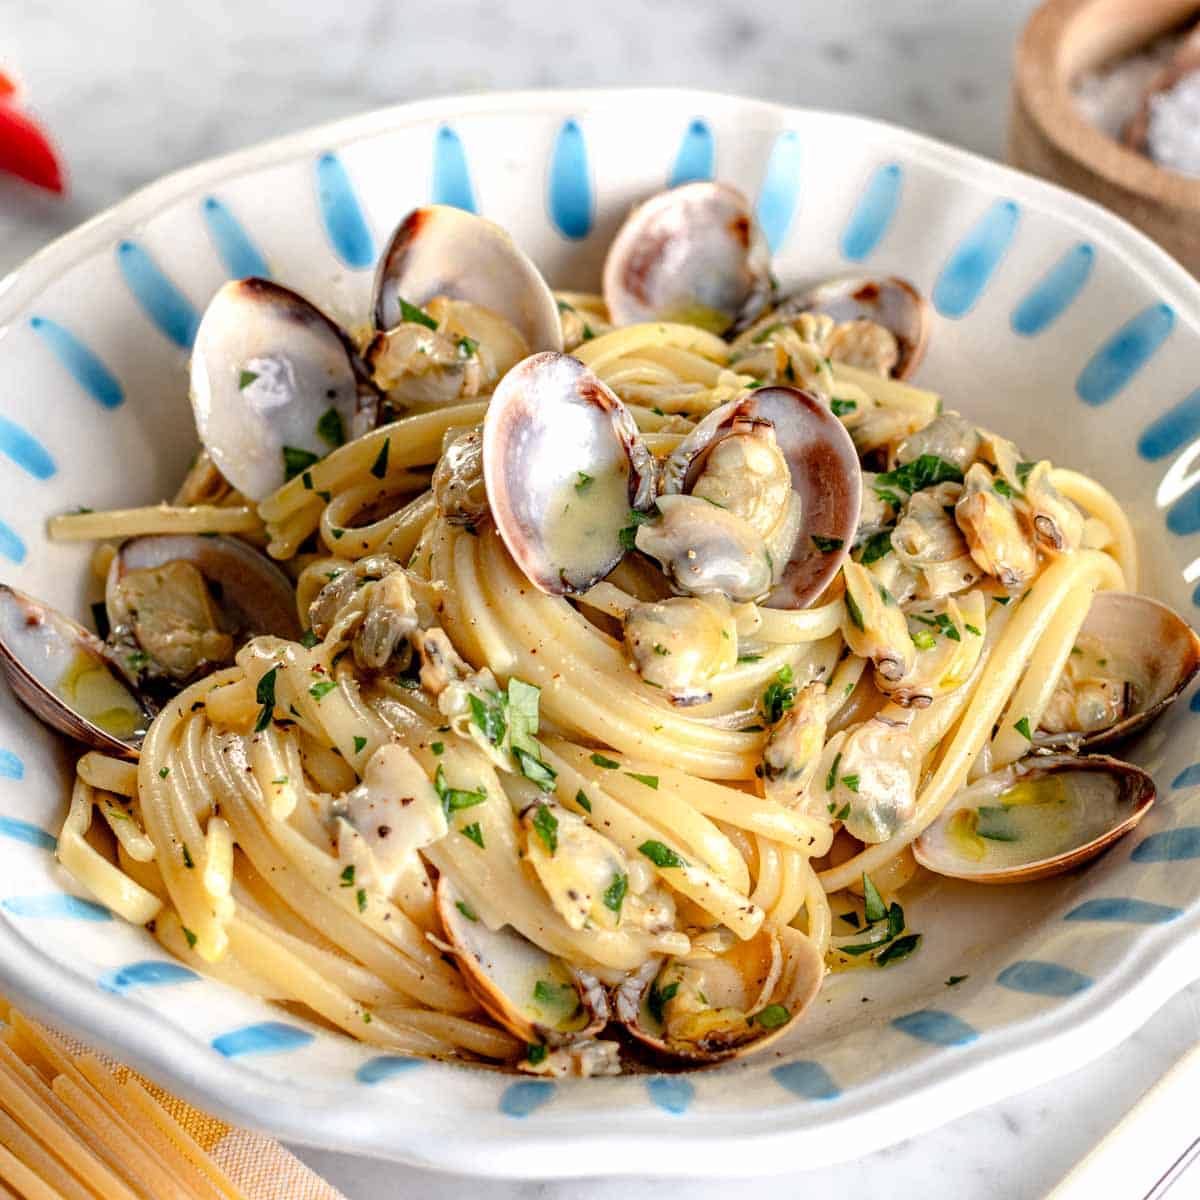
<point x="132" y="89"/>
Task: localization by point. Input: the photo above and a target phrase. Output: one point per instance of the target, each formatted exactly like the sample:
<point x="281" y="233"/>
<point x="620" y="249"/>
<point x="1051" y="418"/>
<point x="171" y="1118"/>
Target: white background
<point x="135" y="88"/>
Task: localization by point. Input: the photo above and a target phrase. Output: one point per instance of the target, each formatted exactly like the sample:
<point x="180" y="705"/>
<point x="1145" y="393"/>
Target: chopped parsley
<point x="614" y="894"/>
<point x="926" y="471"/>
<point x="545" y="825"/>
<point x="877" y="546"/>
<point x="582" y="800"/>
<point x="827" y="545"/>
<point x="749" y="658"/>
<point x="1022" y="727"/>
<point x="900" y="948"/>
<point x="467" y="346"/>
<point x="661" y="650"/>
<point x="971" y="629"/>
<point x="360" y="898"/>
<point x="359" y="743"/>
<point x="1002" y="487"/>
<point x="873" y="906"/>
<point x="779" y="696"/>
<point x="413" y="315"/>
<point x="187" y="858"/>
<point x="535" y="1053"/>
<point x="191" y="937"/>
<point x="438" y="747"/>
<point x="607" y="763"/>
<point x="1023" y="469"/>
<point x="660" y="855"/>
<point x="309" y="639"/>
<point x="535" y="770"/>
<point x="245" y="379"/>
<point x="330" y="428"/>
<point x="489" y="717"/>
<point x="454" y="799"/>
<point x="347" y="876"/>
<point x="946" y="625"/>
<point x="855" y="613"/>
<point x="992" y="821"/>
<point x="842" y="407"/>
<point x="583" y="481"/>
<point x="319" y="691"/>
<point x="265" y="695"/>
<point x="474" y="833"/>
<point x="380" y="465"/>
<point x="628" y="535"/>
<point x="466" y="910"/>
<point x="923" y="640"/>
<point x="651" y="781"/>
<point x="831" y="778"/>
<point x="164" y="772"/>
<point x="851" y="781"/>
<point x="296" y="460"/>
<point x="955" y="980"/>
<point x="772" y="1016"/>
<point x="658" y="998"/>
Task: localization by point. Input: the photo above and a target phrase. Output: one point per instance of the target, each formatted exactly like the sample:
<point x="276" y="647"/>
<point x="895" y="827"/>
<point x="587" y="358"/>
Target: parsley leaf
<point x="583" y="481"/>
<point x="347" y="876"/>
<point x="854" y="612"/>
<point x="923" y="472"/>
<point x="473" y="832"/>
<point x="489" y="717"/>
<point x="414" y="315"/>
<point x="360" y="898"/>
<point x="245" y="379"/>
<point x="842" y="407"/>
<point x="1022" y="727"/>
<point x="296" y="460"/>
<point x="607" y="763"/>
<point x="831" y="778"/>
<point x="877" y="546"/>
<point x="319" y="691"/>
<point x="1023" y="469"/>
<point x="614" y="894"/>
<point x="534" y="1054"/>
<point x="874" y="906"/>
<point x="265" y="695"/>
<point x="535" y="770"/>
<point x="772" y="1016"/>
<point x="923" y="640"/>
<point x="359" y="743"/>
<point x="901" y="948"/>
<point x="660" y="855"/>
<point x="827" y="545"/>
<point x="309" y="639"/>
<point x="628" y="535"/>
<point x="657" y="999"/>
<point x="467" y="346"/>
<point x="466" y="910"/>
<point x="454" y="799"/>
<point x="330" y="428"/>
<point x="545" y="825"/>
<point x="380" y="465"/>
<point x="651" y="781"/>
<point x="778" y="696"/>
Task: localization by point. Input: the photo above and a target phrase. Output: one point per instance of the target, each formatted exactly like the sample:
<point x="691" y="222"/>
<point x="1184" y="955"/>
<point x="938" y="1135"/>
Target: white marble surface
<point x="135" y="88"/>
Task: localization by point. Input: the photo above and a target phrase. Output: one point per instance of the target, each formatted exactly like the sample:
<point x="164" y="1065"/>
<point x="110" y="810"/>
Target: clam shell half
<point x="1040" y="817"/>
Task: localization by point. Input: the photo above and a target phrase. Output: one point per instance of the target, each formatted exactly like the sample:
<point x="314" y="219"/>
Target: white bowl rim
<point x="950" y="1084"/>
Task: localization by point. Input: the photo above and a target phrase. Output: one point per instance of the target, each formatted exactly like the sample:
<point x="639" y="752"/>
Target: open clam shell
<point x="253" y="595"/>
<point x="62" y="673"/>
<point x="1140" y="649"/>
<point x="1037" y="818"/>
<point x="695" y="254"/>
<point x="535" y="996"/>
<point x="274" y="382"/>
<point x="888" y="301"/>
<point x="710" y="1007"/>
<point x="438" y="250"/>
<point x="563" y="464"/>
<point x="825" y="474"/>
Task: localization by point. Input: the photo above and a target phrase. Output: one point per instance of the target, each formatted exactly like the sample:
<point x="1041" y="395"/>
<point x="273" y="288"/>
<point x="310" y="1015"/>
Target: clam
<point x="65" y="676"/>
<point x="183" y="602"/>
<point x="563" y="465"/>
<point x="275" y="385"/>
<point x="1132" y="658"/>
<point x="710" y="1006"/>
<point x="889" y="303"/>
<point x="825" y="478"/>
<point x="693" y="254"/>
<point x="532" y="994"/>
<point x="1037" y="818"/>
<point x="440" y="251"/>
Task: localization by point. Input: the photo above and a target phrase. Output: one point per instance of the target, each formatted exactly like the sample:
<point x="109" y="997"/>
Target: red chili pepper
<point x="25" y="151"/>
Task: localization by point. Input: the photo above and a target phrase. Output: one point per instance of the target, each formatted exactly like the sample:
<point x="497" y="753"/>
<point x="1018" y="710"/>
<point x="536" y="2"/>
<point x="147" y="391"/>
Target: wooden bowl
<point x="1051" y="137"/>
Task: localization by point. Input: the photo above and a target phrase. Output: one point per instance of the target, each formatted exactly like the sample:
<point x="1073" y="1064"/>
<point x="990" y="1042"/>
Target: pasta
<point x="632" y="688"/>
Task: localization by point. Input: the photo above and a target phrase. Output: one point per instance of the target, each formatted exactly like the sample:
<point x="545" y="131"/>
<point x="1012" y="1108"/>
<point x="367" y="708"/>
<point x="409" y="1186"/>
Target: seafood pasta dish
<point x="570" y="682"/>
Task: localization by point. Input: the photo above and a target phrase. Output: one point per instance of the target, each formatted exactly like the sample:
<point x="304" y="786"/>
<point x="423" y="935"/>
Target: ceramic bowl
<point x="1055" y="322"/>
